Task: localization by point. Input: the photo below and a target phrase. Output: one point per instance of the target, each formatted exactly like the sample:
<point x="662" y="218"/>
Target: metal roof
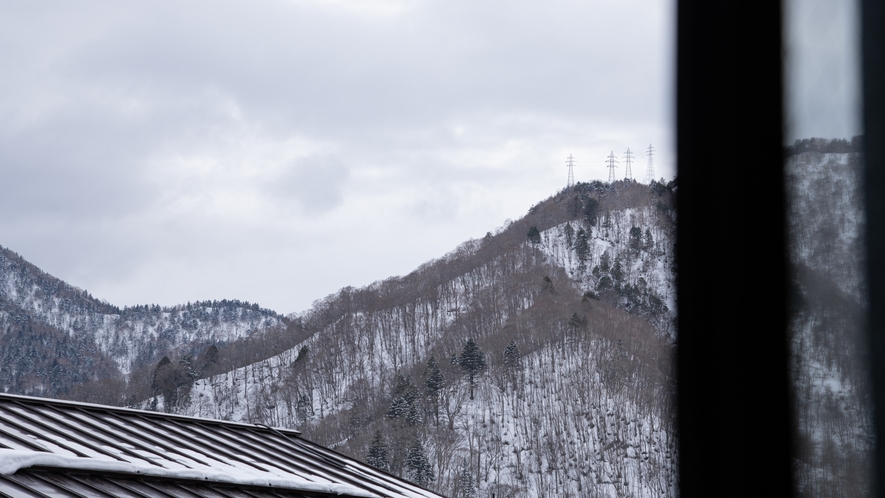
<point x="54" y="448"/>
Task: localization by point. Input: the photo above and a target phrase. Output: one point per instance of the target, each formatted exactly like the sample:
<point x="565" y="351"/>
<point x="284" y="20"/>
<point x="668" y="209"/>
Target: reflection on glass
<point x="831" y="388"/>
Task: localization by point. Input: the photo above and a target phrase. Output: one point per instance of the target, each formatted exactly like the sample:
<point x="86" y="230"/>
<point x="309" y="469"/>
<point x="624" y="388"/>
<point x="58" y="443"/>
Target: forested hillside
<point x="55" y="337"/>
<point x="535" y="361"/>
<point x="828" y="318"/>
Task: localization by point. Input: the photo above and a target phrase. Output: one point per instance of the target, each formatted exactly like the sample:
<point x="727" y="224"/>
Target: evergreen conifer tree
<point x="419" y="467"/>
<point x="302" y="354"/>
<point x="172" y="382"/>
<point x="605" y="262"/>
<point x="512" y="358"/>
<point x="377" y="455"/>
<point x="403" y="400"/>
<point x="534" y="235"/>
<point x="582" y="248"/>
<point x="466" y="488"/>
<point x="618" y="271"/>
<point x="208" y="359"/>
<point x="413" y="416"/>
<point x="434" y="383"/>
<point x="577" y="322"/>
<point x="591" y="210"/>
<point x="303" y="408"/>
<point x="398" y="407"/>
<point x="472" y="360"/>
<point x="187" y="365"/>
<point x="435" y="378"/>
<point x="574" y="206"/>
<point x="402" y="386"/>
<point x="635" y="238"/>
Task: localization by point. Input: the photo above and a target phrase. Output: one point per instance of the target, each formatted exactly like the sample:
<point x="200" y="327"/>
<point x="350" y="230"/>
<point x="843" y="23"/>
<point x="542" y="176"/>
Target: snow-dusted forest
<point x="534" y="361"/>
<point x="833" y="410"/>
<point x="570" y="310"/>
<point x="56" y="337"/>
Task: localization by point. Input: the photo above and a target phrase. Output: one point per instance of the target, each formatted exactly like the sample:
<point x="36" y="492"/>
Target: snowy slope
<point x="589" y="409"/>
<point x="648" y="270"/>
<point x="36" y="305"/>
<point x="833" y="411"/>
<point x="586" y="409"/>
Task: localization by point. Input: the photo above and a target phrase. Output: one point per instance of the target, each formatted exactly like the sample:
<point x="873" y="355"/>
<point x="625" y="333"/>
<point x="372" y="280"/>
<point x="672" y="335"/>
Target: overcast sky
<point x="822" y="69"/>
<point x="276" y="151"/>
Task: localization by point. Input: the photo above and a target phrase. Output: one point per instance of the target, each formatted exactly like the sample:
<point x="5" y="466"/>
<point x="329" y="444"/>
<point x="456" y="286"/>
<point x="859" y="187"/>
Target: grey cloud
<point x="315" y="183"/>
<point x="315" y="70"/>
<point x="100" y="98"/>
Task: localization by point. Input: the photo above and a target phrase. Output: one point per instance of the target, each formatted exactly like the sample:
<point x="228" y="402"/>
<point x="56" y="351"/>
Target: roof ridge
<point x="11" y="461"/>
<point x="148" y="413"/>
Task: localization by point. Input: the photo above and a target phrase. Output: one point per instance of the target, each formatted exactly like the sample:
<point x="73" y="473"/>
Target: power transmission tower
<point x="650" y="171"/>
<point x="628" y="158"/>
<point x="570" y="162"/>
<point x="611" y="167"/>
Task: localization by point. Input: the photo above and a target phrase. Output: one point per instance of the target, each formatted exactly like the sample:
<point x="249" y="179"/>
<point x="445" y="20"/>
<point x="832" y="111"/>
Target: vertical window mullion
<point x="732" y="356"/>
<point x="873" y="70"/>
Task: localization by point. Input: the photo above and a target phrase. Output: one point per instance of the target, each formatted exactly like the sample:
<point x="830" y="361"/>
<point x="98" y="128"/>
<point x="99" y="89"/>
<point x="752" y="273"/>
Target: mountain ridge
<point x="596" y="324"/>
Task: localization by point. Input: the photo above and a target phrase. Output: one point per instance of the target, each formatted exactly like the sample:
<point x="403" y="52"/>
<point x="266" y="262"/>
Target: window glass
<point x="824" y="162"/>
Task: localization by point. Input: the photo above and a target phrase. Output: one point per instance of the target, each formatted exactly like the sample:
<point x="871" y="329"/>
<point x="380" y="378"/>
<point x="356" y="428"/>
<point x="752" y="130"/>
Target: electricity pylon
<point x="611" y="167"/>
<point x="628" y="158"/>
<point x="650" y="170"/>
<point x="570" y="162"/>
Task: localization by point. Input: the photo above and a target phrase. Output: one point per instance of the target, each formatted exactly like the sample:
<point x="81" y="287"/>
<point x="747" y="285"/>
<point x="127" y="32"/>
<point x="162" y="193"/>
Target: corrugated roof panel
<point x="152" y="439"/>
<point x="12" y="490"/>
<point x="291" y="461"/>
<point x="195" y="439"/>
<point x="203" y="491"/>
<point x="115" y="447"/>
<point x="170" y="488"/>
<point x="144" y="489"/>
<point x="360" y="470"/>
<point x="40" y="486"/>
<point x="12" y="438"/>
<point x="127" y="444"/>
<point x="76" y="445"/>
<point x="103" y="485"/>
<point x="80" y="488"/>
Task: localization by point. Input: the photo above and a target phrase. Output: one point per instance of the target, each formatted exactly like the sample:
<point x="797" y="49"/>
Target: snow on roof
<point x="40" y="434"/>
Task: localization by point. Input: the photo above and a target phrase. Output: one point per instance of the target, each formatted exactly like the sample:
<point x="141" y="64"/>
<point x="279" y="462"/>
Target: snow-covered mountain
<point x="56" y="336"/>
<point x="832" y="389"/>
<point x="536" y="361"/>
<point x="571" y="307"/>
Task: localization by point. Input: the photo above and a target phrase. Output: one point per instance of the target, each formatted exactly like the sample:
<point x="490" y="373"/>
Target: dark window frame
<point x="734" y="408"/>
<point x="873" y="81"/>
